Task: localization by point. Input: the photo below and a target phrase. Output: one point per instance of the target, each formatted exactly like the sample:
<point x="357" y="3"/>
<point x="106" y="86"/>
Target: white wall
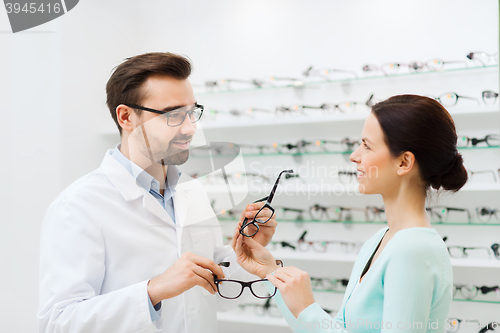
<point x="53" y="96"/>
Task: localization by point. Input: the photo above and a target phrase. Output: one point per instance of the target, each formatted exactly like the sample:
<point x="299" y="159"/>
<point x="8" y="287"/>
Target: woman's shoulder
<point x="416" y="243"/>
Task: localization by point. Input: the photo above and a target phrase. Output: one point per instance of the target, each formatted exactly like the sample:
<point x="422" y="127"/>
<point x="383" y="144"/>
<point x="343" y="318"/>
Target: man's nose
<point x="187" y="127"/>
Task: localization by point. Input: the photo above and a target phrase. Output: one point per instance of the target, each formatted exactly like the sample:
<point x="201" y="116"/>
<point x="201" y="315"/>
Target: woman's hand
<point x="295" y="288"/>
<point x="266" y="230"/>
<point x="251" y="255"/>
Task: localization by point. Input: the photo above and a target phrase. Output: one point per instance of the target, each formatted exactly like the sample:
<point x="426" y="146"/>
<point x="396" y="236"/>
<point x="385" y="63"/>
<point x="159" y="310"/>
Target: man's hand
<point x="189" y="271"/>
<point x="266" y="230"/>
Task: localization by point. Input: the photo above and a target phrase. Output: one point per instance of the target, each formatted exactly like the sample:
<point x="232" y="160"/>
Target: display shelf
<point x="347" y="152"/>
<point x="327" y="189"/>
<point x="351" y="258"/>
<point x="475" y="301"/>
<point x="249" y="318"/>
<point x="320" y="118"/>
<point x="308" y="83"/>
<point x="374" y="222"/>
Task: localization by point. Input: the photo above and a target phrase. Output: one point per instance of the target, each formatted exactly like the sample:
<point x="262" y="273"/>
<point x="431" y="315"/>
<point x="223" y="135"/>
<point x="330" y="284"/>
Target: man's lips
<point x="182" y="144"/>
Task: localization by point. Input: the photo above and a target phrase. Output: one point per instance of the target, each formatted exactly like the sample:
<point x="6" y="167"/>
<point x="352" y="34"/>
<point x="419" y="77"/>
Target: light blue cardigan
<point x="409" y="288"/>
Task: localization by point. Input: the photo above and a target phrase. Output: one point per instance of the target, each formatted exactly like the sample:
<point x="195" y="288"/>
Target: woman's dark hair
<point x="125" y="84"/>
<point x="421" y="125"/>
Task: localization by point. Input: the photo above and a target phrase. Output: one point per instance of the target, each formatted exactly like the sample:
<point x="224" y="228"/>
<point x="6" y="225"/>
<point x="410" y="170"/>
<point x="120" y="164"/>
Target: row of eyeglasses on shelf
<point x="472" y="59"/>
<point x="317" y="212"/>
<point x="345" y="145"/>
<point x="344" y="247"/>
<point x="447" y="99"/>
<point x="252" y="179"/>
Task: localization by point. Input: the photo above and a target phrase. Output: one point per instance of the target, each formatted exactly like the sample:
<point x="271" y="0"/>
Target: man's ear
<point x="406" y="163"/>
<point x="123" y="115"/>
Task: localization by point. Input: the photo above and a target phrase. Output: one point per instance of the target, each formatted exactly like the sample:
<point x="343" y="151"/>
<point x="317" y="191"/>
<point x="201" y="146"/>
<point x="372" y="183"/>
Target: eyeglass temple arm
<point x="271" y="195"/>
<point x="459" y="96"/>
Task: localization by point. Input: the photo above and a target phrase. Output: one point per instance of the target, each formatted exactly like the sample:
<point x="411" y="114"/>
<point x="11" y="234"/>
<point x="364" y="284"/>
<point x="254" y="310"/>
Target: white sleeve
<point x="72" y="269"/>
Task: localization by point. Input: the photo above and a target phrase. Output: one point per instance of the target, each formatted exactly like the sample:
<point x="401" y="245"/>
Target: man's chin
<point x="177" y="158"/>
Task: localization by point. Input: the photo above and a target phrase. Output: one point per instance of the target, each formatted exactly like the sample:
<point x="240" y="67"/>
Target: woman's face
<point x="377" y="168"/>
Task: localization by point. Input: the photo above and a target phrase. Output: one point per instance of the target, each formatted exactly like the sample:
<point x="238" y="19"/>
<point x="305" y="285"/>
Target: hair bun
<point x="453" y="178"/>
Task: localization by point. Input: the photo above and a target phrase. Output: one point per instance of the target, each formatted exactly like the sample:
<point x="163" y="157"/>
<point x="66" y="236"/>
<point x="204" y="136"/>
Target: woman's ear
<point x="406" y="163"/>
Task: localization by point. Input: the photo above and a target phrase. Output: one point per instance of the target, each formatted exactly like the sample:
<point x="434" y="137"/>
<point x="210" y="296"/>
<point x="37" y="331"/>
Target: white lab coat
<point x="104" y="237"/>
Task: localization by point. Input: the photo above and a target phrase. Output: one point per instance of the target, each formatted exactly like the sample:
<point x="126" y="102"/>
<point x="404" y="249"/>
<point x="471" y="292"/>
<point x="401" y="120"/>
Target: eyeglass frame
<point x="168" y="113"/>
<point x="267" y="205"/>
<point x="456" y="100"/>
<point x="243" y="283"/>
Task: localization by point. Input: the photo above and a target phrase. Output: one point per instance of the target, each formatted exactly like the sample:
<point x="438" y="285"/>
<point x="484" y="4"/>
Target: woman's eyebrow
<point x="366" y="140"/>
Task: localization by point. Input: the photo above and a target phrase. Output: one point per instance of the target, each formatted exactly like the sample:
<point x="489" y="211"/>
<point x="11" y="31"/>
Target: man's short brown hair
<point x="125" y="84"/>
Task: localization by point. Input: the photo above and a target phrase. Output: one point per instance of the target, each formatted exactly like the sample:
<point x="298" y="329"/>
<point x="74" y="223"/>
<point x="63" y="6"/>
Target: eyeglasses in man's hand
<point x="232" y="289"/>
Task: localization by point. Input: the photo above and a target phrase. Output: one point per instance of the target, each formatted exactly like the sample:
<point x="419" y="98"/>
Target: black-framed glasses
<point x="470" y="291"/>
<point x="328" y="283"/>
<point x="457" y="251"/>
<point x="232" y="289"/>
<point x="336" y="213"/>
<point x="346" y="177"/>
<point x="485" y="214"/>
<point x="249" y="229"/>
<point x="483" y="57"/>
<point x="451" y="98"/>
<point x="489" y="97"/>
<point x="175" y="117"/>
<point x="323" y="246"/>
<point x="491" y="140"/>
<point x="291" y="213"/>
<point x="440" y="214"/>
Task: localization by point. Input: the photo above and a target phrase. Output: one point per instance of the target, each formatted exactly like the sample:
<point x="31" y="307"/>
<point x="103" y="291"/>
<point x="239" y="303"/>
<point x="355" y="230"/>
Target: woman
<point x="402" y="278"/>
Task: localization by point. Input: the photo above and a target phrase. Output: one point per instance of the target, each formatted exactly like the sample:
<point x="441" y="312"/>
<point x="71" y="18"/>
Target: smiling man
<point x="133" y="246"/>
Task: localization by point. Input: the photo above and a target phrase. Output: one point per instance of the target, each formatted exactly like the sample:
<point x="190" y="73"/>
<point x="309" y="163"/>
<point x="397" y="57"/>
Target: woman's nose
<point x="354" y="157"/>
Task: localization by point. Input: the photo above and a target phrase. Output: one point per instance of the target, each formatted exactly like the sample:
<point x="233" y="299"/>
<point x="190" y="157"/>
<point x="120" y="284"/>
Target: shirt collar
<point x="143" y="178"/>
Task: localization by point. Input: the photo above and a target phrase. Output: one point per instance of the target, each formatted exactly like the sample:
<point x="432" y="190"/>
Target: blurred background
<point x="58" y="128"/>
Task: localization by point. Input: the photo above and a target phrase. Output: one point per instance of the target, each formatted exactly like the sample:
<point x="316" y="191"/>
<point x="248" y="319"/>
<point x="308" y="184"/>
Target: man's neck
<point x="158" y="171"/>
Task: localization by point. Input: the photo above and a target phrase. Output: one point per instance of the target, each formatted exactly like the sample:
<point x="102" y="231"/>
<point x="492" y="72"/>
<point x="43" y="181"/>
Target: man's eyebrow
<point x="171" y="108"/>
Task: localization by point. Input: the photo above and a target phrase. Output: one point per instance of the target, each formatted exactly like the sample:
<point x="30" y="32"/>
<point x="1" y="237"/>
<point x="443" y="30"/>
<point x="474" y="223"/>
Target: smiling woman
<point x="402" y="278"/>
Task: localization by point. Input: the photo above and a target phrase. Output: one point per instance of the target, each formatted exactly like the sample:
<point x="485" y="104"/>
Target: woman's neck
<point x="405" y="208"/>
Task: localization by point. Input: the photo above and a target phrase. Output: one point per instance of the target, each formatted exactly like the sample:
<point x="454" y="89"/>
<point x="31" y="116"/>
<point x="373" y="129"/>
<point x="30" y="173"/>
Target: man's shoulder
<point x="85" y="185"/>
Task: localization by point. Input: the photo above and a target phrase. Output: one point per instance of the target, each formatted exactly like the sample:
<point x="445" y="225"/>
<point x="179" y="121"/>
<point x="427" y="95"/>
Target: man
<point x="133" y="246"/>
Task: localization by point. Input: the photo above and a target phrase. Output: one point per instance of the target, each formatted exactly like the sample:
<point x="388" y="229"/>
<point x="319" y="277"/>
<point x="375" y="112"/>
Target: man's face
<point x="152" y="139"/>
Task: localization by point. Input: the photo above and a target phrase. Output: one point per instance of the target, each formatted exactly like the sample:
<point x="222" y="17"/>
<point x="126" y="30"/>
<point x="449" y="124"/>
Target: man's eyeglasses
<point x="232" y="289"/>
<point x="249" y="229"/>
<point x="175" y="117"/>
